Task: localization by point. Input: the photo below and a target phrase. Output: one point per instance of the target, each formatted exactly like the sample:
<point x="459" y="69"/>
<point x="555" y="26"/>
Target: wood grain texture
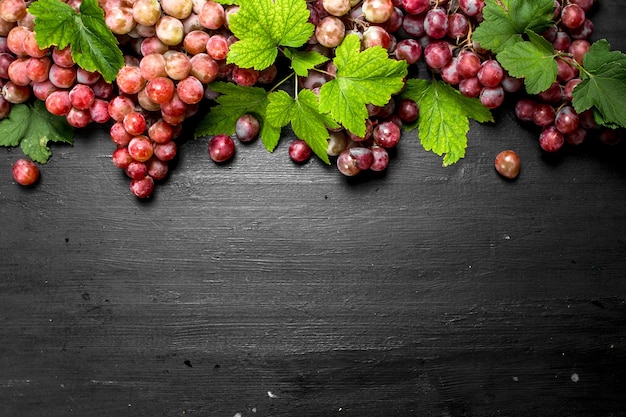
<point x="266" y="288"/>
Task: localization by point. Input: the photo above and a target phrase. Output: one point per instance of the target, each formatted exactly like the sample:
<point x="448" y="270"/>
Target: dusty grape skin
<point x="135" y="123"/>
<point x="130" y="80"/>
<point x="119" y="135"/>
<point x="165" y="151"/>
<point x="18" y="73"/>
<point x="525" y="108"/>
<point x="160" y="131"/>
<point x="78" y="118"/>
<point x="160" y="90"/>
<point x="381" y="158"/>
<point x="170" y="30"/>
<point x="550" y="139"/>
<point x="152" y="66"/>
<point x="408" y="110"/>
<point x="82" y="96"/>
<point x="25" y="172"/>
<point x="99" y="111"/>
<point x="544" y="115"/>
<point x="566" y="120"/>
<point x="330" y="31"/>
<point x="468" y="64"/>
<point x="140" y="148"/>
<point x="177" y="65"/>
<point x="377" y="11"/>
<point x="119" y="107"/>
<point x="157" y="169"/>
<point x="120" y="20"/>
<point x="204" y="68"/>
<point x="221" y="148"/>
<point x="376" y="36"/>
<point x="38" y="69"/>
<point x="490" y="73"/>
<point x="437" y="54"/>
<point x="146" y="12"/>
<point x="195" y="41"/>
<point x="121" y="158"/>
<point x="363" y="157"/>
<point x="346" y="164"/>
<point x="15" y="40"/>
<point x="212" y="15"/>
<point x="572" y="16"/>
<point x="58" y="103"/>
<point x="299" y="151"/>
<point x="190" y="90"/>
<point x="492" y="97"/>
<point x="62" y="77"/>
<point x="217" y="47"/>
<point x="436" y="23"/>
<point x="387" y="134"/>
<point x="12" y="10"/>
<point x="247" y="128"/>
<point x="507" y="164"/>
<point x="142" y="188"/>
<point x="409" y="50"/>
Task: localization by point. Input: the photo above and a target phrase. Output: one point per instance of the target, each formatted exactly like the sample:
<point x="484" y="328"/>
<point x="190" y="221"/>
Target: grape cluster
<point x="551" y="110"/>
<point x="438" y="34"/>
<point x="174" y="49"/>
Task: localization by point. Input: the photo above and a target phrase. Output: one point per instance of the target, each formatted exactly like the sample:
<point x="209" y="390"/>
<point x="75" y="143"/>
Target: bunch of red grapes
<point x="175" y="49"/>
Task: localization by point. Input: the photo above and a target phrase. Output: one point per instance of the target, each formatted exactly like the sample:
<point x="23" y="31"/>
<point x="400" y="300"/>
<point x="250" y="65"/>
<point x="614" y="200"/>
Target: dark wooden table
<point x="265" y="288"/>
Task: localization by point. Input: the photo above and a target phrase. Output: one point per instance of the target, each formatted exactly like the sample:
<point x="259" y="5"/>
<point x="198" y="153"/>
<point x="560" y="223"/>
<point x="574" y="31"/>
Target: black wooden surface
<point x="265" y="288"/>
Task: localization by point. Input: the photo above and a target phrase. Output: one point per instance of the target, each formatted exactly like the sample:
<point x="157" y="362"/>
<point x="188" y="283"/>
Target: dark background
<point x="266" y="288"/>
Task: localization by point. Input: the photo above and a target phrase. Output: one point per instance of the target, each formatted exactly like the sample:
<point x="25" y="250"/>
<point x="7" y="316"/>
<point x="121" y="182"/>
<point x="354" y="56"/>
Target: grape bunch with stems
<point x="177" y="58"/>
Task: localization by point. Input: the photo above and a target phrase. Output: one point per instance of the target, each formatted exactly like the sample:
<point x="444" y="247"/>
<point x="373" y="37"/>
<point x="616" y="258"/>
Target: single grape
<point x="436" y="23"/>
<point x="550" y="139"/>
<point x="142" y="188"/>
<point x="437" y="54"/>
<point x="377" y="11"/>
<point x="330" y="31"/>
<point x="165" y="151"/>
<point x="386" y="134"/>
<point x="221" y="148"/>
<point x="381" y="158"/>
<point x="247" y="128"/>
<point x="140" y="148"/>
<point x="299" y="151"/>
<point x="507" y="164"/>
<point x="346" y="164"/>
<point x="25" y="172"/>
<point x="492" y="97"/>
<point x="363" y="157"/>
<point x="82" y="96"/>
<point x="566" y="120"/>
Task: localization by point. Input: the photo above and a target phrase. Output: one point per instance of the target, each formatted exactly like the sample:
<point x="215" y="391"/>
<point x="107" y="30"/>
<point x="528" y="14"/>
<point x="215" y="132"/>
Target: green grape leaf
<point x="303" y="61"/>
<point x="93" y="46"/>
<point x="261" y="26"/>
<point x="306" y="120"/>
<point x="532" y="60"/>
<point x="363" y="77"/>
<point x="504" y="21"/>
<point x="233" y="102"/>
<point x="444" y="117"/>
<point x="600" y="53"/>
<point x="603" y="89"/>
<point x="32" y="127"/>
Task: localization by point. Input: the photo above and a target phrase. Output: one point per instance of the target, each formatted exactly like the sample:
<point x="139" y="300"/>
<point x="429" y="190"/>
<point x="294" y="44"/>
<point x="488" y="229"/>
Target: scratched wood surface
<point x="264" y="288"/>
